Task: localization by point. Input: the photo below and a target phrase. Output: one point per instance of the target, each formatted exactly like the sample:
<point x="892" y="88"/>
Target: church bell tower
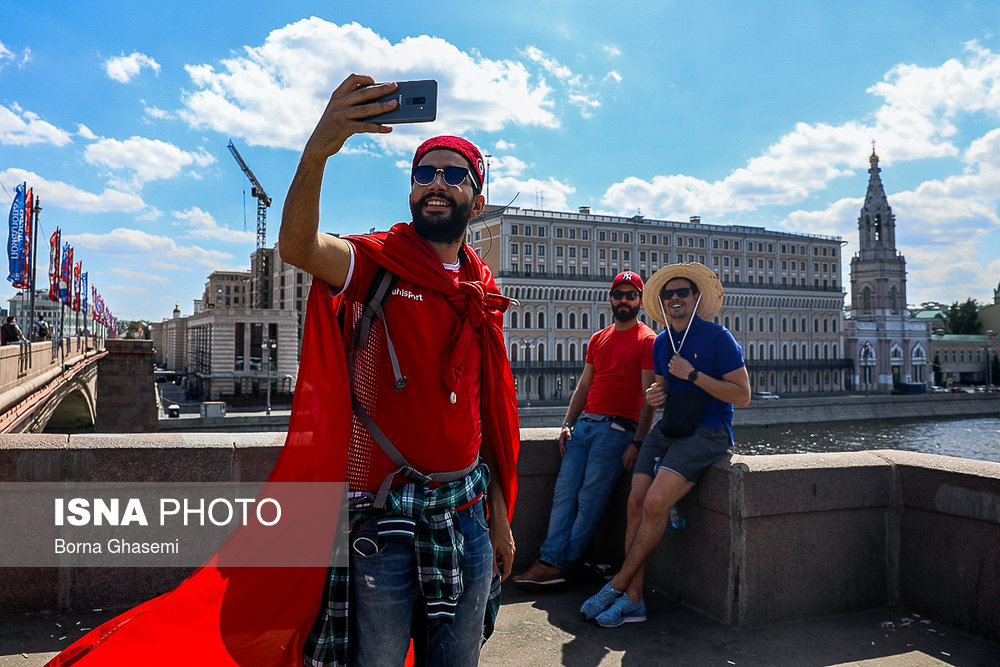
<point x="878" y="271"/>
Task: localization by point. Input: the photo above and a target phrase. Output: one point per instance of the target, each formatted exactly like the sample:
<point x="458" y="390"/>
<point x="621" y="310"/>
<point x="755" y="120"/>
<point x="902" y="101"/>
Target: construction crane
<point x="256" y="191"/>
<point x="260" y="261"/>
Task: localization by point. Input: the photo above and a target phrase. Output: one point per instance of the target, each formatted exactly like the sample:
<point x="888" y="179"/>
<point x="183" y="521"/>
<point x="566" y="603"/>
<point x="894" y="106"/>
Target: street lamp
<point x="866" y="355"/>
<point x="989" y="358"/>
<point x="527" y="345"/>
<point x="267" y="347"/>
<point x="488" y="156"/>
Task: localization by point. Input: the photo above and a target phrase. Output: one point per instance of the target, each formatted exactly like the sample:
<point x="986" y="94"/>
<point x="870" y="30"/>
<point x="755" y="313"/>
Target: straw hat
<point x="708" y="284"/>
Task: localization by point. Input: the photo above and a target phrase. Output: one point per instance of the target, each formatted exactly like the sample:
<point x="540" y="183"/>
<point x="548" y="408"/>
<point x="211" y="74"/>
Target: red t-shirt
<point x="433" y="433"/>
<point x="619" y="357"/>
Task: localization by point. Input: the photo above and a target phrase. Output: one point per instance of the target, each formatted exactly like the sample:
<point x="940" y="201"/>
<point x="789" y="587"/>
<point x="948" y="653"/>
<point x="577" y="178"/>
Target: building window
<point x="239" y="347"/>
<point x="256" y="340"/>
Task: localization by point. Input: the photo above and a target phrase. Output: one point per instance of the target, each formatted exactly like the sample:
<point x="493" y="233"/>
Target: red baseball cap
<point x="628" y="277"/>
<point x="461" y="146"/>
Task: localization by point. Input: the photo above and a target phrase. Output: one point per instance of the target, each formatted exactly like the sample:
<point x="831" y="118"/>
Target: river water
<point x="975" y="438"/>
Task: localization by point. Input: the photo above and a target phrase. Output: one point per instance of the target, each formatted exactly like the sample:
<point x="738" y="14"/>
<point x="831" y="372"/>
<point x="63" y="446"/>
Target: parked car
<point x="938" y="390"/>
<point x="765" y="396"/>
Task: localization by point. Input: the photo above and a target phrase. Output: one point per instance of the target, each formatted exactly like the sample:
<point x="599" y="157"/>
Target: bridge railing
<point x="23" y="362"/>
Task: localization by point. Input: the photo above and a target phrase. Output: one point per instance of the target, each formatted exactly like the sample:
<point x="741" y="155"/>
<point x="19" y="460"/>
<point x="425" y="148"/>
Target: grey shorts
<point x="688" y="457"/>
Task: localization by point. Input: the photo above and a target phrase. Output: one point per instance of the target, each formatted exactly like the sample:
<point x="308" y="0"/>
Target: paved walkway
<point x="546" y="629"/>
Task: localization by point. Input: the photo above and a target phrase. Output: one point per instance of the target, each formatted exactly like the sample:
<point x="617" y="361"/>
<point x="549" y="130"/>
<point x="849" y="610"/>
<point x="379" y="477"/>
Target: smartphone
<point x="417" y="103"/>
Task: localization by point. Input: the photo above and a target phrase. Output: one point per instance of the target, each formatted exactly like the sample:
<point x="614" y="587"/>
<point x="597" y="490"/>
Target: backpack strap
<point x="378" y="293"/>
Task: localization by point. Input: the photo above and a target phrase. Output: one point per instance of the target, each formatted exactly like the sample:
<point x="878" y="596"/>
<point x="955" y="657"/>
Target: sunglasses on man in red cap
<point x="630" y="277"/>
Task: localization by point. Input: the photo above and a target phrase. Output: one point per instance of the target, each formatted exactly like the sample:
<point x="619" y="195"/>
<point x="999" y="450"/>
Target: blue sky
<point x="118" y="114"/>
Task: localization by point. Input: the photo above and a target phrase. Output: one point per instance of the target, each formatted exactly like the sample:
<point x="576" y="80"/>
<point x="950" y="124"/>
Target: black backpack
<point x="43" y="329"/>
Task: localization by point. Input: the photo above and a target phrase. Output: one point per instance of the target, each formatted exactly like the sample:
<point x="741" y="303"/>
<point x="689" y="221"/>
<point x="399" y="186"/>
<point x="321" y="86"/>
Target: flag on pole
<point x="77" y="271"/>
<point x="66" y="275"/>
<point x="27" y="276"/>
<point x="83" y="291"/>
<point x="54" y="265"/>
<point x="15" y="238"/>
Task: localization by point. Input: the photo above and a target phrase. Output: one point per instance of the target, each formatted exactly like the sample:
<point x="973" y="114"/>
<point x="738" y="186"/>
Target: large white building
<point x="783" y="298"/>
<point x="59" y="317"/>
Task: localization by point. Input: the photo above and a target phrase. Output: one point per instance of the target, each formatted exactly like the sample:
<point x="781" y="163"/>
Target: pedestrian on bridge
<point x="10" y="333"/>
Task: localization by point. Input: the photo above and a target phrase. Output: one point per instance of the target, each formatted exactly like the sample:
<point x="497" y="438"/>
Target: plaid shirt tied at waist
<point x="426" y="519"/>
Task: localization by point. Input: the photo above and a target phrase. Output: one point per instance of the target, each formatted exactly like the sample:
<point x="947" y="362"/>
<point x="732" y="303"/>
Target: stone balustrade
<point x="769" y="538"/>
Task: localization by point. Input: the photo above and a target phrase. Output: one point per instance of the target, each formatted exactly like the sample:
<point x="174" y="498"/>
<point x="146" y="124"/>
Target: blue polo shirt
<point x="712" y="350"/>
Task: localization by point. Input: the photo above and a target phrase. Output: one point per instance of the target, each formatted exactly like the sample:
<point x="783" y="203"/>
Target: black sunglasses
<point x="681" y="292"/>
<point x="618" y="295"/>
<point x="425" y="174"/>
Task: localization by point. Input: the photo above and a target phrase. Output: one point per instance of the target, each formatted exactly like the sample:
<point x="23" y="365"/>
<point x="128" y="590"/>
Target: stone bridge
<point x="77" y="384"/>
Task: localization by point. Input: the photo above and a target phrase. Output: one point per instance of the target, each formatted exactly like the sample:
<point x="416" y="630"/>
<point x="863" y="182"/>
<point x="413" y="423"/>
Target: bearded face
<point x="624" y="312"/>
<point x="438" y="217"/>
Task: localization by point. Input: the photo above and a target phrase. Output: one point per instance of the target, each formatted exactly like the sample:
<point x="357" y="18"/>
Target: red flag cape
<point x="260" y="617"/>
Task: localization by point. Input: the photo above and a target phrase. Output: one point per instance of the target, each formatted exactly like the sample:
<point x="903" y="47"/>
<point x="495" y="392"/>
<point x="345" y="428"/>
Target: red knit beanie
<point x="460" y="146"/>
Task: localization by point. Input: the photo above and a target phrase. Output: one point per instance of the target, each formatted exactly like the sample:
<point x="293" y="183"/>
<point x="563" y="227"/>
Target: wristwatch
<point x="693" y="375"/>
<point x="567" y="424"/>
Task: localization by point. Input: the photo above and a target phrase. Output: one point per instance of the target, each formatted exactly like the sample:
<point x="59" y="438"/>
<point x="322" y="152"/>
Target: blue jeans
<point x="385" y="590"/>
<point x="590" y="468"/>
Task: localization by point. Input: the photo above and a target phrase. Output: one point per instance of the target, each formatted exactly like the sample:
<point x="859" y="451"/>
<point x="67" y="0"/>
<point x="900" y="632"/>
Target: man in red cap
<point x="431" y="456"/>
<point x="604" y="426"/>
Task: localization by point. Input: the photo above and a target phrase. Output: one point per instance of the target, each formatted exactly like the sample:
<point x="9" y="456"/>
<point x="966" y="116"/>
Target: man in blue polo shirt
<point x="699" y="376"/>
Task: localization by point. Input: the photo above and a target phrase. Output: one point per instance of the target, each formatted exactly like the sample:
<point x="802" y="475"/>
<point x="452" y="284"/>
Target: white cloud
<point x="155" y="113"/>
<point x="65" y="196"/>
<point x="273" y="94"/>
<point x="202" y="225"/>
<point x="549" y="194"/>
<point x="915" y="121"/>
<point x="503" y="145"/>
<point x="125" y="68"/>
<point x="23" y="128"/>
<point x="7" y="56"/>
<point x="613" y="76"/>
<point x="612" y="50"/>
<point x="140" y="276"/>
<point x="85" y="132"/>
<point x="142" y="160"/>
<point x="123" y="242"/>
<point x="552" y="66"/>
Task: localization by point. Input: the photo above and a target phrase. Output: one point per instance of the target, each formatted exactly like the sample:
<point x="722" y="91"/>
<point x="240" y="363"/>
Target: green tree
<point x="963" y="318"/>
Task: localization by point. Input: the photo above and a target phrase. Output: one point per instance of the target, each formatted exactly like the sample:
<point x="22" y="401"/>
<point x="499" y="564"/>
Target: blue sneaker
<point x="598" y="603"/>
<point x="623" y="611"/>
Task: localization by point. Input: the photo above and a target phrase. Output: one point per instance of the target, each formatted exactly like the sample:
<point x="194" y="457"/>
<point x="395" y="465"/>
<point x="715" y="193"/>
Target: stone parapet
<point x="126" y="394"/>
<point x="768" y="538"/>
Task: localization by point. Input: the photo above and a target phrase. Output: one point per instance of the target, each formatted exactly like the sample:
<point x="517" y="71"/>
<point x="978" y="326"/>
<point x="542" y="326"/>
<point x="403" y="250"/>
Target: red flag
<point x="77" y="270"/>
<point x="54" y="266"/>
<point x="66" y="276"/>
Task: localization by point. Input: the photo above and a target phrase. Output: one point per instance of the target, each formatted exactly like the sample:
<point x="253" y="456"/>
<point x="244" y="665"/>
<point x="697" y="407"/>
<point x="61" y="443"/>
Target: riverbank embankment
<point x="818" y="409"/>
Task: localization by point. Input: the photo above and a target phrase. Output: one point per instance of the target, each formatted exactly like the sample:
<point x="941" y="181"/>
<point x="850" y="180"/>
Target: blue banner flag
<point x="15" y="237"/>
<point x="83" y="291"/>
<point x="66" y="275"/>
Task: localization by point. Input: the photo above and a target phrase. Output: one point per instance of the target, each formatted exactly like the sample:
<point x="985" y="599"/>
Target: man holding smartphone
<point x="432" y="401"/>
<point x="421" y="424"/>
